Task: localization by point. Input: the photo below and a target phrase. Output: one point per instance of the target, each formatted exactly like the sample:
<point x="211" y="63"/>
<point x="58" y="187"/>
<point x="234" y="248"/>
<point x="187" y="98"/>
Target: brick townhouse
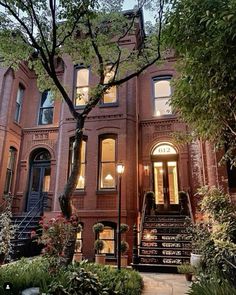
<point x="133" y="124"/>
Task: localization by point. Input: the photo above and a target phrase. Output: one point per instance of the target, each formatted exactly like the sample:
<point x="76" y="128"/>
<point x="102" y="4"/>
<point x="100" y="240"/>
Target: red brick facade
<point x="137" y="132"/>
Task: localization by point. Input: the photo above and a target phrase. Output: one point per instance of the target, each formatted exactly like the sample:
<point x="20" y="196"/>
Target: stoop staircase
<point x="163" y="244"/>
<point x="23" y="245"/>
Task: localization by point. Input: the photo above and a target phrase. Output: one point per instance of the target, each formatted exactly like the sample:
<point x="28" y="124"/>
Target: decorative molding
<point x="99" y="117"/>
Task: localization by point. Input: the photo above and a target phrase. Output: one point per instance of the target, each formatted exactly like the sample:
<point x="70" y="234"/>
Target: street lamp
<point x="120" y="170"/>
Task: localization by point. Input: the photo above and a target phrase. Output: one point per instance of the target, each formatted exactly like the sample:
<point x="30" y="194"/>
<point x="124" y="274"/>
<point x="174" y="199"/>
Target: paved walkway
<point x="164" y="284"/>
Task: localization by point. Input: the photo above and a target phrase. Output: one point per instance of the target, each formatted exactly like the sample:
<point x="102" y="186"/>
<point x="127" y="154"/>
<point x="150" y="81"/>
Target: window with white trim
<point x="10" y="170"/>
<point x="162" y="96"/>
<point x="107" y="167"/>
<point x="81" y="179"/>
<point x="19" y="101"/>
<point x="46" y="108"/>
<point x="81" y="86"/>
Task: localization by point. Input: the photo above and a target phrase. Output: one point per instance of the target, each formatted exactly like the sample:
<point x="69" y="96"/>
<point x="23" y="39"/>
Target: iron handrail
<point x="142" y="218"/>
<point x="190" y="207"/>
<point x="40" y="208"/>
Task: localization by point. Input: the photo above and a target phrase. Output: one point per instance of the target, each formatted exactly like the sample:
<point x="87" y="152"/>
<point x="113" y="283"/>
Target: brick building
<point x="133" y="125"/>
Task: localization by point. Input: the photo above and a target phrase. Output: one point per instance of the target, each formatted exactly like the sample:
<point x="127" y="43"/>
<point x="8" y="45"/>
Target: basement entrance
<point x="165" y="175"/>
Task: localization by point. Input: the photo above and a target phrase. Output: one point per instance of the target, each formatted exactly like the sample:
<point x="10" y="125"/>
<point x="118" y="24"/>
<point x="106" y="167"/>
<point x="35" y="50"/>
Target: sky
<point x="129" y="4"/>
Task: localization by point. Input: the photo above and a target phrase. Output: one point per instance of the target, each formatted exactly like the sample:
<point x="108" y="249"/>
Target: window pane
<point x="162" y="106"/>
<point x="81" y="96"/>
<point x="17" y="113"/>
<point x="82" y="77"/>
<point x="108" y="149"/>
<point x="108" y="236"/>
<point x="8" y="181"/>
<point x="81" y="179"/>
<point x="109" y="247"/>
<point x="173" y="182"/>
<point x="47" y="99"/>
<point x="46" y="116"/>
<point x="46" y="179"/>
<point x="108" y="175"/>
<point x="11" y="159"/>
<point x="35" y="179"/>
<point x="108" y="233"/>
<point x="110" y="96"/>
<point x="162" y="88"/>
<point x="20" y="94"/>
<point x="159" y="182"/>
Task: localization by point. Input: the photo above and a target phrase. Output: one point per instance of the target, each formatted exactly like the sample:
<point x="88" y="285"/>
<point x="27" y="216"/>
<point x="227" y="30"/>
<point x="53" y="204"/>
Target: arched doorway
<point x="165" y="175"/>
<point x="39" y="180"/>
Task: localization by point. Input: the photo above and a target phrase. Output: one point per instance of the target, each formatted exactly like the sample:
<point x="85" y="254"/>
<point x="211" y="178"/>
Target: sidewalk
<point x="164" y="284"/>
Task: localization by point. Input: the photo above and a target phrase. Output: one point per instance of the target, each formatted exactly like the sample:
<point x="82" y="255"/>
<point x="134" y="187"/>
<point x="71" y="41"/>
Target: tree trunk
<point x="65" y="199"/>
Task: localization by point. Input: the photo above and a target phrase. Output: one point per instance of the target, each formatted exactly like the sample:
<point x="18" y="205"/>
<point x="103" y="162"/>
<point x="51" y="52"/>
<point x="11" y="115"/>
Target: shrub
<point x="98" y="228"/>
<point x="124" y="228"/>
<point x="57" y="233"/>
<point x="99" y="245"/>
<point x="185" y="268"/>
<point x="211" y="286"/>
<point x="26" y="273"/>
<point x="124" y="247"/>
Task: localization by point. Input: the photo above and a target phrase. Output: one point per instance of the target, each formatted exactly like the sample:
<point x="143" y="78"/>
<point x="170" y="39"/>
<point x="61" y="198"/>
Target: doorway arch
<point x="164" y="158"/>
<point x="39" y="179"/>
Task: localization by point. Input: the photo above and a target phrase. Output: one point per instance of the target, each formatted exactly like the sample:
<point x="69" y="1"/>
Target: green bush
<point x="127" y="282"/>
<point x="26" y="273"/>
<point x="211" y="286"/>
<point x="80" y="278"/>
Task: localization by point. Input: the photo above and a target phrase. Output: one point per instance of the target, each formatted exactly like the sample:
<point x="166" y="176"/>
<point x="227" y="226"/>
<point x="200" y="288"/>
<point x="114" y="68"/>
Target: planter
<point x="195" y="259"/>
<point x="100" y="258"/>
<point x="78" y="257"/>
<point x="124" y="260"/>
<point x="188" y="277"/>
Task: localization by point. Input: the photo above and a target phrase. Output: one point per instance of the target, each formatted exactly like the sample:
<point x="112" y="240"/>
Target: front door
<point x="166" y="184"/>
<point x="39" y="182"/>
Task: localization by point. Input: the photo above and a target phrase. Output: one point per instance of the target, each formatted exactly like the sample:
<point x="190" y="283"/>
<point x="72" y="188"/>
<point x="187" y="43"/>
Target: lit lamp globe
<point x="120" y="168"/>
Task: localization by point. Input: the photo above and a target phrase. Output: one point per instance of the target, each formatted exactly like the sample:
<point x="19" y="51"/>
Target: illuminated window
<point x="46" y="108"/>
<point x="82" y="86"/>
<point x="19" y="101"/>
<point x="162" y="95"/>
<point x="110" y="95"/>
<point x="108" y="236"/>
<point x="10" y="170"/>
<point x="81" y="180"/>
<point x="79" y="241"/>
<point x="107" y="163"/>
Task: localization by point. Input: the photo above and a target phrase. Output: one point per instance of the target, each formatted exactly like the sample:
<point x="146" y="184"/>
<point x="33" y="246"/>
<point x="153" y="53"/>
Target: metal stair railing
<point x="190" y="208"/>
<point x="36" y="213"/>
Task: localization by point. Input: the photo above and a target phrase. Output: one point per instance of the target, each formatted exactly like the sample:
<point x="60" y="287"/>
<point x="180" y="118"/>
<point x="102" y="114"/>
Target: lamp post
<point x="120" y="170"/>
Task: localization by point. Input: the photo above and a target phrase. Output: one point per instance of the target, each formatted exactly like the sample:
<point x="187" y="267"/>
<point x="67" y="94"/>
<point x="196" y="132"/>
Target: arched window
<point x="107" y="167"/>
<point x="162" y="96"/>
<point x="46" y="108"/>
<point x="81" y="180"/>
<point x="109" y="237"/>
<point x="11" y="164"/>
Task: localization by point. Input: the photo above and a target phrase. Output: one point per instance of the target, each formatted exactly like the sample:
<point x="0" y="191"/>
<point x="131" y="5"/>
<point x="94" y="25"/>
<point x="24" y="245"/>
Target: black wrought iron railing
<point x="35" y="211"/>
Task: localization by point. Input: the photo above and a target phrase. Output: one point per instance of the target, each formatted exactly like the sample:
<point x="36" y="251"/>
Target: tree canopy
<point x="203" y="33"/>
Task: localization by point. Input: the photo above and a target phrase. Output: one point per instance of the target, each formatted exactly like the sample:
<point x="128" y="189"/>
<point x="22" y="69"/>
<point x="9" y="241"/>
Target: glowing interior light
<point x="109" y="177"/>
